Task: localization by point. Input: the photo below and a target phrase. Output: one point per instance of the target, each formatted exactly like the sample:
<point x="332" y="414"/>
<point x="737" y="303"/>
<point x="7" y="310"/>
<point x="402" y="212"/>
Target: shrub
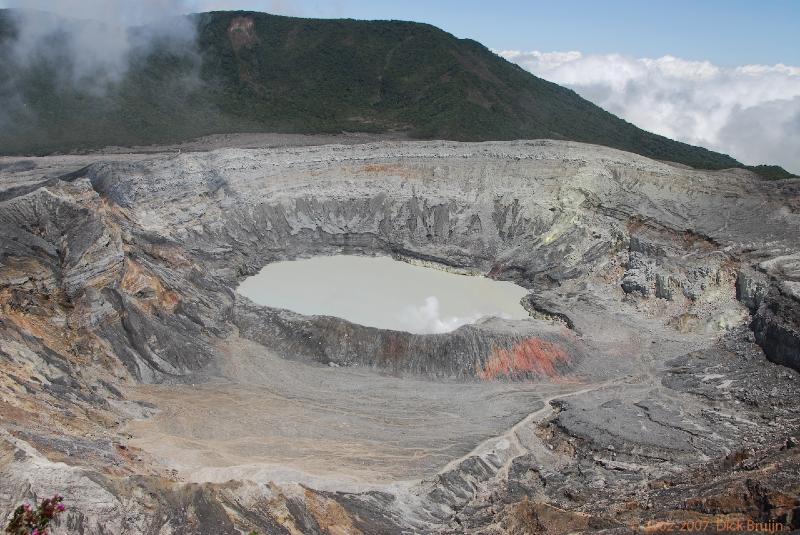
<point x="29" y="521"/>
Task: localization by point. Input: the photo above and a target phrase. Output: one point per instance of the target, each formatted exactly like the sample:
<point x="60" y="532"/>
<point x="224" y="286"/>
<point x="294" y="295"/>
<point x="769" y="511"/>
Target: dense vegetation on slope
<point x="259" y="72"/>
<point x="771" y="172"/>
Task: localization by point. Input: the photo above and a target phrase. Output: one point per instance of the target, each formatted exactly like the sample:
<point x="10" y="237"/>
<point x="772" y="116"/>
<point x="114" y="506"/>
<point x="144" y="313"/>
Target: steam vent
<point x="653" y="379"/>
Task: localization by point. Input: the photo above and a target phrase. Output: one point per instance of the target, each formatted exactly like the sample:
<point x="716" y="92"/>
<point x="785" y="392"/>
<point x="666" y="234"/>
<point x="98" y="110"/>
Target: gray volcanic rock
<point x="655" y="379"/>
<point x="777" y="318"/>
<point x="777" y="327"/>
<point x="462" y="354"/>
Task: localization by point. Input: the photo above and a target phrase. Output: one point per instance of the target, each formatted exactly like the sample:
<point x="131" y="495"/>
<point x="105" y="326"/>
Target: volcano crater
<point x="652" y="297"/>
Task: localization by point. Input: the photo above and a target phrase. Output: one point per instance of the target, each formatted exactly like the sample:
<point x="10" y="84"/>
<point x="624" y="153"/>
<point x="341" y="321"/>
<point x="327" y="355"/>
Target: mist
<point x="94" y="39"/>
<point x="91" y="73"/>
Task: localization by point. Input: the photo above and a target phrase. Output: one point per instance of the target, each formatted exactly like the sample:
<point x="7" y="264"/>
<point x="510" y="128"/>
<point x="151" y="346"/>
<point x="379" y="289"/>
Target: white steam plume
<point x="94" y="36"/>
<point x="427" y="318"/>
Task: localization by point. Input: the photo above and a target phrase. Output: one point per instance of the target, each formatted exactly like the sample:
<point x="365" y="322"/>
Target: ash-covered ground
<point x="654" y="384"/>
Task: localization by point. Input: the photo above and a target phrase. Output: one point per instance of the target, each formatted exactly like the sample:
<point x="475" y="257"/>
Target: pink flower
<point x="35" y="531"/>
<point x="61" y="507"/>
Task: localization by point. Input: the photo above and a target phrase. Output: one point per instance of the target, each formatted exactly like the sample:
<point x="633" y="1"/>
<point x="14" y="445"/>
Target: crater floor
<point x="282" y="421"/>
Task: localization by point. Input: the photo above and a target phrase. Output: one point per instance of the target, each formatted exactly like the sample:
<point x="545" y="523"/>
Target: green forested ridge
<point x="253" y="72"/>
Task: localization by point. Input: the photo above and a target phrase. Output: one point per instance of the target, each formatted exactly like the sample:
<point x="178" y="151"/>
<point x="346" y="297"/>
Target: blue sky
<point x="725" y="32"/>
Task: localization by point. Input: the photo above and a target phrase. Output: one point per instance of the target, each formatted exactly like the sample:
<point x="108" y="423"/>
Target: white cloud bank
<point x="751" y="112"/>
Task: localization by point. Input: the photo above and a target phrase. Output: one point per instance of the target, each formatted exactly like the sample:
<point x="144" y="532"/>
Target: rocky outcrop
<point x="751" y="288"/>
<point x="772" y="293"/>
<point x="777" y="327"/>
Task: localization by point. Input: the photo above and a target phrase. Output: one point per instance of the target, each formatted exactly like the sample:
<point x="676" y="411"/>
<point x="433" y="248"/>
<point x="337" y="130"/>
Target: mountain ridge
<point x="255" y="72"/>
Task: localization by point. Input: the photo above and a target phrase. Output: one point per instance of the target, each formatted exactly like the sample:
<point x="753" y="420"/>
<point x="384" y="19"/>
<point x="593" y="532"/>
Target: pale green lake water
<point x="383" y="292"/>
